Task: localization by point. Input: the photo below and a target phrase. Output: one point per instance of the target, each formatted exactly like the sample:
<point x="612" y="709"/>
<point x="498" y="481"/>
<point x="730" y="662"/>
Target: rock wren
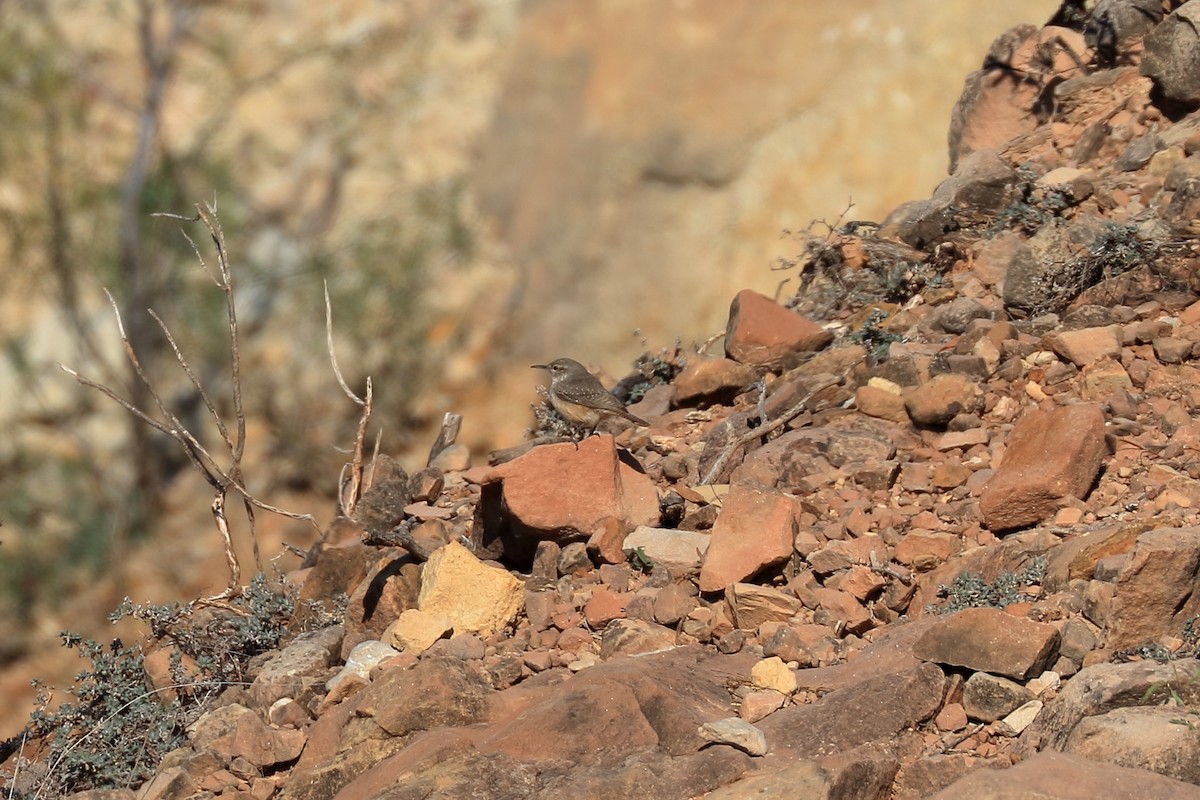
<point x="580" y="398"/>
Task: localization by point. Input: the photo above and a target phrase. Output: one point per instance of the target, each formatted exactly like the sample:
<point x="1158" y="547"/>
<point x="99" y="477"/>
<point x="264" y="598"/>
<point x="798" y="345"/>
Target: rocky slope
<point x="930" y="530"/>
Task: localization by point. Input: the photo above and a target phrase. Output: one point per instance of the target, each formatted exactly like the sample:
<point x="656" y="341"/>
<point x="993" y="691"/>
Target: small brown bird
<point x="580" y="398"/>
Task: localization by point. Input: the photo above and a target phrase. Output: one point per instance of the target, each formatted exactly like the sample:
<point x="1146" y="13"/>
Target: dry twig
<point x="351" y="489"/>
<point x="221" y="479"/>
<point x="763" y="430"/>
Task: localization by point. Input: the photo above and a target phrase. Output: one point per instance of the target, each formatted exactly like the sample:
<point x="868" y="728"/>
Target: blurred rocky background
<point x="483" y="184"/>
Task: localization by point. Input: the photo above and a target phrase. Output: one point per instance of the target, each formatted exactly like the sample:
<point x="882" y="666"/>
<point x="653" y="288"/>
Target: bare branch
<point x="212" y="409"/>
<point x="349" y="493"/>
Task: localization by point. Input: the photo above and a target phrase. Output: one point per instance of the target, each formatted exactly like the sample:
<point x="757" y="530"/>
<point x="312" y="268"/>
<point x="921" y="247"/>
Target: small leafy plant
<point x="115" y="729"/>
<point x="968" y="590"/>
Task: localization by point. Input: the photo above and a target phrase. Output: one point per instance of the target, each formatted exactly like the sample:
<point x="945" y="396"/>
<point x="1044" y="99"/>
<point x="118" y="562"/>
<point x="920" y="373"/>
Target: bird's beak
<point x="538" y="366"/>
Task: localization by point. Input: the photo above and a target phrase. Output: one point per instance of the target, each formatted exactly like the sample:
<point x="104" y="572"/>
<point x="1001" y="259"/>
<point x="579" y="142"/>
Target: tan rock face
<point x="475" y="597"/>
<point x="1050" y="455"/>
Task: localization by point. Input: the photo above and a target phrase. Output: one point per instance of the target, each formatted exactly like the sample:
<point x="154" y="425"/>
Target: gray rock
<point x="736" y="732"/>
<point x="1172" y="57"/>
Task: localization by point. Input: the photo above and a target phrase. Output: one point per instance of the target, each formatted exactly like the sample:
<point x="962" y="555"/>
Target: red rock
<point x="952" y="440"/>
<point x="942" y="398"/>
<point x="754" y="530"/>
<point x="390" y="588"/>
<point x="950" y="475"/>
<point x="1170" y="350"/>
<point x="861" y="582"/>
<point x="761" y="332"/>
<point x="993" y="111"/>
<point x="262" y="745"/>
<point x="437" y="691"/>
<point x="761" y="703"/>
<point x="951" y="718"/>
<point x="987" y="639"/>
<point x="872" y="710"/>
<point x="634" y="637"/>
<point x="562" y="492"/>
<point x="1051" y="455"/>
<point x="339" y="570"/>
<point x="1142" y="738"/>
<point x="604" y="606"/>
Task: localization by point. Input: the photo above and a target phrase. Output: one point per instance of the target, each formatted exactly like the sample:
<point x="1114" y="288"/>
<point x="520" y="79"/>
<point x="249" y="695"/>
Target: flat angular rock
<point x="880" y="403"/>
<point x="437" y="691"/>
<point x="990" y="640"/>
<point x="415" y="630"/>
<point x="475" y="597"/>
<point x="1051" y="455"/>
<point x="629" y="705"/>
<point x="1155" y="593"/>
<point x="1086" y="346"/>
<point x="981" y="182"/>
<point x="679" y="551"/>
<point x="564" y="493"/>
<point x="752" y="605"/>
<point x="390" y="587"/>
<point x="1066" y="777"/>
<point x="861" y="773"/>
<point x="258" y="743"/>
<point x="736" y="733"/>
<point x="754" y="530"/>
<point x="760" y="332"/>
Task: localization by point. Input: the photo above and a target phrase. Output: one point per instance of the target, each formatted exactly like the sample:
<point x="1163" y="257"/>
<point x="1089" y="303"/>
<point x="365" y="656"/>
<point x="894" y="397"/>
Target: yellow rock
<point x="476" y="597"/>
<point x="772" y="673"/>
<point x="416" y="630"/>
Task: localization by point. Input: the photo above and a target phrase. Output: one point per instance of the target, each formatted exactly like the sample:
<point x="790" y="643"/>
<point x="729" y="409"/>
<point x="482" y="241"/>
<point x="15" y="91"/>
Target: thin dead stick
<point x="763" y="430"/>
<point x="221" y="480"/>
<point x="348" y="495"/>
